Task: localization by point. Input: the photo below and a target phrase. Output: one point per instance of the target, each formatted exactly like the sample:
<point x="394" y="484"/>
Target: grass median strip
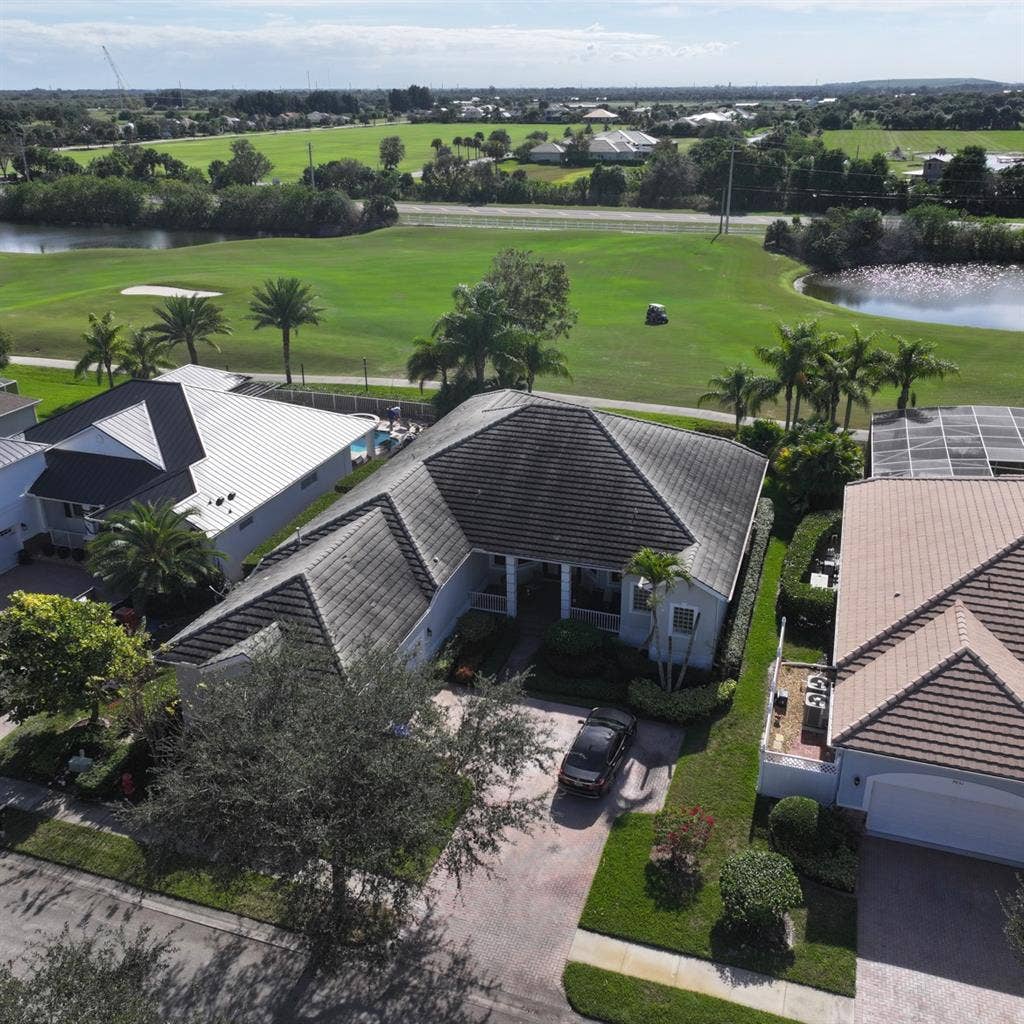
<point x="246" y="893"/>
<point x="605" y="995"/>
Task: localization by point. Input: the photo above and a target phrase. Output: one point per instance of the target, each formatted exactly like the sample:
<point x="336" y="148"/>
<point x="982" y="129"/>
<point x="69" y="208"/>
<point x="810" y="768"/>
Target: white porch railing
<point x="603" y="620"/>
<point x="488" y="602"/>
<point x="803" y="764"/>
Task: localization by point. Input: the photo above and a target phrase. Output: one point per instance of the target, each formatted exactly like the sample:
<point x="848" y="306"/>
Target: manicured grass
<point x="713" y="427"/>
<point x="868" y="141"/>
<point x="287" y="150"/>
<point x="57" y="389"/>
<point x="381" y="290"/>
<point x="408" y="394"/>
<point x="547" y="172"/>
<point x="718" y="770"/>
<point x="313" y="509"/>
<point x="113" y="856"/>
<point x="605" y="995"/>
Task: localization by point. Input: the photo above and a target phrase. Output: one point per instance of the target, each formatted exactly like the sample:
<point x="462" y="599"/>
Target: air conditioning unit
<point x="816" y="711"/>
<point x="816" y="683"/>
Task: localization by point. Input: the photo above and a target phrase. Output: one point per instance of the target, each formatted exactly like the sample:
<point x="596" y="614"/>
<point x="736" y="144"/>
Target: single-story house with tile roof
<point x="599" y="114"/>
<point x="509" y="498"/>
<point x="241" y="466"/>
<point x="927" y="711"/>
<point x="17" y="412"/>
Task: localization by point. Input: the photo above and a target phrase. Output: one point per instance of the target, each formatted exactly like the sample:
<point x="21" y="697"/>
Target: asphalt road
<point x="252" y="979"/>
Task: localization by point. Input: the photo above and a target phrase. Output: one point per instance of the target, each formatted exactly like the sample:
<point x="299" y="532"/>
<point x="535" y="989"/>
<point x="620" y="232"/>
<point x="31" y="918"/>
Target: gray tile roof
<point x="10" y="402"/>
<point x="505" y="472"/>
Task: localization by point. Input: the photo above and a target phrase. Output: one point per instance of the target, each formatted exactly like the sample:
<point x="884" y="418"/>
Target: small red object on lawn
<point x="128" y="785"/>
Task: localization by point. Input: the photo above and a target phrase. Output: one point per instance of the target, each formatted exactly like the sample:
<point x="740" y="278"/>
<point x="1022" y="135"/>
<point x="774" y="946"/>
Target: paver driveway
<point x="930" y="942"/>
<point x="517" y="925"/>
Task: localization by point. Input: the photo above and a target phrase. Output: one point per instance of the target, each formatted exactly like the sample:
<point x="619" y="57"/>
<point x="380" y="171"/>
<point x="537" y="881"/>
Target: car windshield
<point x="590" y="751"/>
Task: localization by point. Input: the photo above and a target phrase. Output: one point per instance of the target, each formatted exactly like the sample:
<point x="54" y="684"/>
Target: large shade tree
<point x="287" y="304"/>
<point x="103" y="347"/>
<point x="346" y="783"/>
<point x="189" y="320"/>
<point x="535" y="292"/>
<point x="913" y="361"/>
<point x="151" y="551"/>
<point x="740" y="390"/>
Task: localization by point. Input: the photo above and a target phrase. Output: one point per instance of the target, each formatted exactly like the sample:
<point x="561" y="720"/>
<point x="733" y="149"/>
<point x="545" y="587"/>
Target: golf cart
<point x="656" y="315"/>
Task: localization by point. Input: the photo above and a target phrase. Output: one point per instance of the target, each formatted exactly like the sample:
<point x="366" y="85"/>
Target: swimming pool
<point x="382" y="439"/>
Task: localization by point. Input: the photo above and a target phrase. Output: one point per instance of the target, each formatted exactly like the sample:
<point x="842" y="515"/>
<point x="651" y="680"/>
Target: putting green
<point x="381" y="290"/>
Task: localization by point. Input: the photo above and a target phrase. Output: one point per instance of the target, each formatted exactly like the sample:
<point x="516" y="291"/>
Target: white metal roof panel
<point x="133" y="428"/>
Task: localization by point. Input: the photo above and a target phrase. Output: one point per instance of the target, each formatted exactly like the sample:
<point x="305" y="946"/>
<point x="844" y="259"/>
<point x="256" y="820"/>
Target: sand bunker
<point x="159" y="289"/>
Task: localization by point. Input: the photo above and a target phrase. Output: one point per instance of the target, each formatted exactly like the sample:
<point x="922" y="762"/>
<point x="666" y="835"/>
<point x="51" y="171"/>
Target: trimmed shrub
<point x="587" y="691"/>
<point x="680" y="835"/>
<point x="812" y="608"/>
<point x="734" y="635"/>
<point x="816" y="839"/>
<point x="680" y="706"/>
<point x="474" y="627"/>
<point x="758" y="887"/>
<point x="573" y="638"/>
<point x="763" y="436"/>
<point x="1013" y="929"/>
<point x="104" y="777"/>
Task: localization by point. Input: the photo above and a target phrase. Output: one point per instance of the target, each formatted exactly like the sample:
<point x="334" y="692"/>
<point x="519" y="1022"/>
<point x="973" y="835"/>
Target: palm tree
<point x="741" y="391"/>
<point x="102" y="346"/>
<point x="286" y="304"/>
<point x="436" y="145"/>
<point x="913" y="361"/>
<point x="528" y="356"/>
<point x="865" y="364"/>
<point x="145" y="550"/>
<point x="457" y="143"/>
<point x="144" y="355"/>
<point x="479" y="327"/>
<point x="791" y="360"/>
<point x="190" y="320"/>
<point x="658" y="573"/>
<point x="431" y="357"/>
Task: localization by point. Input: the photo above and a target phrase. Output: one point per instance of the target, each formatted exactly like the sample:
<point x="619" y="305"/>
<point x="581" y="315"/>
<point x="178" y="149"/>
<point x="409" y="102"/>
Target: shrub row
<point x="817" y="840"/>
<point x="734" y="635"/>
<point x="812" y="608"/>
<point x="680" y="706"/>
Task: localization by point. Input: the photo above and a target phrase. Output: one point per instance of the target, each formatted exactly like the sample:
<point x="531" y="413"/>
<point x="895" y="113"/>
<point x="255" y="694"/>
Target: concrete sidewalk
<point x="733" y="984"/>
<point x="31" y="796"/>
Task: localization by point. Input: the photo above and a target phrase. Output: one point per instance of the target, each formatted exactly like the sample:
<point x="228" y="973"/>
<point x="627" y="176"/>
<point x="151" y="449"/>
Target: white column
<point x="566" y="590"/>
<point x="511" y="586"/>
<point x="371" y="443"/>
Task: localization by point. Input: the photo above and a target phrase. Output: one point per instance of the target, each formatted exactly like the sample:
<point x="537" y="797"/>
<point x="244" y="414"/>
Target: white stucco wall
<point x="272" y="515"/>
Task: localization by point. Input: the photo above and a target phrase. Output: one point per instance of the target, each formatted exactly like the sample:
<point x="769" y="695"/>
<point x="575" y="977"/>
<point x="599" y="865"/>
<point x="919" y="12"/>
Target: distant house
<point x="318" y="117"/>
<point x="556" y="112"/>
<point x="511" y="498"/>
<point x="547" y="153"/>
<point x="599" y="116"/>
<point x="934" y="165"/>
<point x="240" y="466"/>
<point x="17" y="412"/>
<point x="621" y="146"/>
<point x="709" y="117"/>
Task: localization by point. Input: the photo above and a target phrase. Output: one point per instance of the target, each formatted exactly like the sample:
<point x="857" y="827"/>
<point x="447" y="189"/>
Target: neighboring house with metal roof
<point x="927" y="710"/>
<point x="240" y="466"/>
<point x="510" y="498"/>
<point x="17" y="412"/>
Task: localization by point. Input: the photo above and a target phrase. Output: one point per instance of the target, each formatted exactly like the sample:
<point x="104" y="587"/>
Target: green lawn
<point x="605" y="995"/>
<point x="112" y="856"/>
<point x="55" y="388"/>
<point x="868" y="141"/>
<point x="547" y="172"/>
<point x="287" y="150"/>
<point x="718" y="770"/>
<point x="381" y="290"/>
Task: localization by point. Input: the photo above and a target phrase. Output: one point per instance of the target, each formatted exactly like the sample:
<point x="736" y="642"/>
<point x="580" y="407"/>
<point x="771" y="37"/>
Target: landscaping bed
<point x="718" y="770"/>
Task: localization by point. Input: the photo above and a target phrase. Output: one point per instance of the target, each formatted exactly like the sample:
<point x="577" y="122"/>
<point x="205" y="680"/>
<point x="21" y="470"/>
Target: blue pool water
<point x="382" y="439"/>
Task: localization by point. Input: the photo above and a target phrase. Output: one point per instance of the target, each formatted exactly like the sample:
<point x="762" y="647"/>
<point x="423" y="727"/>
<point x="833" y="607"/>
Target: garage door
<point x="10" y="542"/>
<point x="943" y="812"/>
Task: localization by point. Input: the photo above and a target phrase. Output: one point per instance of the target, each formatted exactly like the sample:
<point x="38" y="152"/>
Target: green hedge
<point x="734" y="636"/>
<point x="809" y="607"/>
<point x="680" y="706"/>
<point x="817" y="840"/>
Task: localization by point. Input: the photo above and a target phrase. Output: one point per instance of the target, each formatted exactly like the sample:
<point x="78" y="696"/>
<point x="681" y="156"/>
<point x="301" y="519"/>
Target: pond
<point x="965" y="294"/>
<point x="39" y="238"/>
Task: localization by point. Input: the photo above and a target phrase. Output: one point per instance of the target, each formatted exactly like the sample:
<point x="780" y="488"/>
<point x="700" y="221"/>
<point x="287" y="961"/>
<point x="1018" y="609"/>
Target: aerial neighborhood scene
<point x="512" y="513"/>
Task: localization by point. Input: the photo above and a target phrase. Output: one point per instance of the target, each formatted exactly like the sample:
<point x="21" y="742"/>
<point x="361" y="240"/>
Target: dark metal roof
<point x="90" y="479"/>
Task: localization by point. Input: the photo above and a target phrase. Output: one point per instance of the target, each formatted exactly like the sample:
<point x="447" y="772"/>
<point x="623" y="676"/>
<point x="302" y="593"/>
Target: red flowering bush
<point x="680" y="835"/>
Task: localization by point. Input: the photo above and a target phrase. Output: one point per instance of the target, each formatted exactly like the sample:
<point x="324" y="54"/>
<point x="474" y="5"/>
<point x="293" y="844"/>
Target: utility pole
<point x="312" y="179"/>
<point x="728" y="190"/>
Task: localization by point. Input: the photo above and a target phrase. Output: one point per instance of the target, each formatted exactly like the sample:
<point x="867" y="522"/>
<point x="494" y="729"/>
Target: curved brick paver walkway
<point x="930" y="943"/>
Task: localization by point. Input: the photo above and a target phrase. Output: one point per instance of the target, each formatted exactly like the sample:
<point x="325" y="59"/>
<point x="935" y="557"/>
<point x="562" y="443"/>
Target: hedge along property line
<point x="734" y="636"/>
<point x="812" y="608"/>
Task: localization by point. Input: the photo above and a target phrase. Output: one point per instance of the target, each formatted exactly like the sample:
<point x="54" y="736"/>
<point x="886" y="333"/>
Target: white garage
<point x="937" y="811"/>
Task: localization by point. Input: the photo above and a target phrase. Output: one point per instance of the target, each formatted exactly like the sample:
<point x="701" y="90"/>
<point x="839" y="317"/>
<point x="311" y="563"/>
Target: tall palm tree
<point x="528" y="355"/>
<point x="791" y="360"/>
<point x="865" y="364"/>
<point x="479" y="327"/>
<point x="147" y="550"/>
<point x="457" y="143"/>
<point x="658" y="572"/>
<point x="431" y="358"/>
<point x="436" y="144"/>
<point x="190" y="320"/>
<point x="144" y="355"/>
<point x="913" y="361"/>
<point x="103" y="346"/>
<point x="286" y="304"/>
<point x="741" y="391"/>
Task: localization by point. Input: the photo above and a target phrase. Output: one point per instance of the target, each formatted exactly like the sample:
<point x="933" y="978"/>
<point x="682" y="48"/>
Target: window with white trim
<point x="308" y="481"/>
<point x="684" y="618"/>
<point x="641" y="598"/>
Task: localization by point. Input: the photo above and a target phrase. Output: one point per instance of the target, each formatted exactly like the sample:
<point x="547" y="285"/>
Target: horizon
<point x="348" y="44"/>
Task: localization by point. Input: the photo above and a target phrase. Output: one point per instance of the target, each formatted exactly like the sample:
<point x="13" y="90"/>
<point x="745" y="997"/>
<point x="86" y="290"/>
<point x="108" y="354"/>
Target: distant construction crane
<point x="122" y="85"/>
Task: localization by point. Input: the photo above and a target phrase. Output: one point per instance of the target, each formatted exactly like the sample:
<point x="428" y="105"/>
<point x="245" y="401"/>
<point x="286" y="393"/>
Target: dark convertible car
<point x="598" y="752"/>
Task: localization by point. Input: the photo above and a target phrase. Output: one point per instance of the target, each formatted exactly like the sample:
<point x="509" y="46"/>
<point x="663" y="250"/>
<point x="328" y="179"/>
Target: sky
<point x="275" y="43"/>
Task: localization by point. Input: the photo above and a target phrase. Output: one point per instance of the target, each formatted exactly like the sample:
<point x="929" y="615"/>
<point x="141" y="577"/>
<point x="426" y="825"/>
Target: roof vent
<point x="220" y="501"/>
<point x="231" y="496"/>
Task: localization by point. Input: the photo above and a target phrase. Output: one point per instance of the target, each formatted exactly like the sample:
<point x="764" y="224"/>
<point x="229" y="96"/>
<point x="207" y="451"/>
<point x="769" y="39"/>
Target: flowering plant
<point x="681" y="833"/>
